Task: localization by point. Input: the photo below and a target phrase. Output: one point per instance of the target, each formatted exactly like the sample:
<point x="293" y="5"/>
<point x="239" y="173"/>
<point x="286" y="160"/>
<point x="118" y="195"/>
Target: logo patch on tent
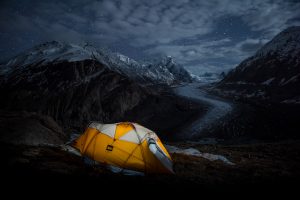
<point x="109" y="147"/>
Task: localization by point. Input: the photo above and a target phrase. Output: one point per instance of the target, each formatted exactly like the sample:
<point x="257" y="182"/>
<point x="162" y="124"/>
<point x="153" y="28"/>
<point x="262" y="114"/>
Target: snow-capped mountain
<point x="168" y="70"/>
<point x="272" y="74"/>
<point x="76" y="84"/>
<point x="208" y="77"/>
<point x="50" y="52"/>
<point x="164" y="72"/>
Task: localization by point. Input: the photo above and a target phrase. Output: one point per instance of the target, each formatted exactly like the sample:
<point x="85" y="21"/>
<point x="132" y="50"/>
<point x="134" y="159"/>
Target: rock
<point x="30" y="129"/>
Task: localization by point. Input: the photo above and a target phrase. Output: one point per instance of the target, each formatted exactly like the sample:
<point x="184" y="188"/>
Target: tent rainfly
<point x="126" y="145"/>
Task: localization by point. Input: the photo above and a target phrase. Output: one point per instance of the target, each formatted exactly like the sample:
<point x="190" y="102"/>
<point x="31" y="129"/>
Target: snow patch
<point x="124" y="58"/>
<point x="197" y="153"/>
<point x="267" y="82"/>
<point x="282" y="81"/>
<point x="295" y="100"/>
<point x="70" y="149"/>
<point x="293" y="79"/>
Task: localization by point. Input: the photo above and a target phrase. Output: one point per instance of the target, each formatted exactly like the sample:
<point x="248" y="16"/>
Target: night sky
<point x="204" y="36"/>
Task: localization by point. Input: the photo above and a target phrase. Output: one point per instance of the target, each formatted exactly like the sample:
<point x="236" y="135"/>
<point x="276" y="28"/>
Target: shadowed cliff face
<point x="30" y="129"/>
<point x="75" y="93"/>
<point x="72" y="93"/>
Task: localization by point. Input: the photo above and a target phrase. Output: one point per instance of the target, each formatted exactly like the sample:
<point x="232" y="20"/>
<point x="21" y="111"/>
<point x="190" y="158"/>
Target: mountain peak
<point x="283" y="43"/>
<point x="292" y="29"/>
<point x="272" y="73"/>
<point x="170" y="59"/>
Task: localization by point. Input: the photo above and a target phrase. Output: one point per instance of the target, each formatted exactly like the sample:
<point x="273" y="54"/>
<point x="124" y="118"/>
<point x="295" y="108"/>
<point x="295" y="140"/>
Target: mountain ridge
<point x="272" y="74"/>
<point x="54" y="52"/>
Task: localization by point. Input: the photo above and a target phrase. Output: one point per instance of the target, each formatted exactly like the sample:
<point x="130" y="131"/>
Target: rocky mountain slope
<point x="272" y="74"/>
<point x="75" y="85"/>
<point x="71" y="92"/>
<point x="30" y="129"/>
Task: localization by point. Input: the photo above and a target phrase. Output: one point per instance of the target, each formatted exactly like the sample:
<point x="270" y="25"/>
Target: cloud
<point x="186" y="53"/>
<point x="251" y="45"/>
<point x="271" y="17"/>
<point x="218" y="55"/>
<point x="181" y="28"/>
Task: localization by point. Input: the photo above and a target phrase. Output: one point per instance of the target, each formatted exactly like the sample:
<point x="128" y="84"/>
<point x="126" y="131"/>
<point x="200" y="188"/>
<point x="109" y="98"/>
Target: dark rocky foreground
<point x="258" y="167"/>
<point x="30" y="129"/>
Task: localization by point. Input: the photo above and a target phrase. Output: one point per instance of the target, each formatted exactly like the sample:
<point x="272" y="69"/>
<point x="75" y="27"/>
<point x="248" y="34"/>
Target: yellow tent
<point x="126" y="145"/>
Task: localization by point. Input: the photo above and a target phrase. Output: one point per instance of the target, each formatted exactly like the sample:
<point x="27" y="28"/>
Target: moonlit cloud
<point x="202" y="35"/>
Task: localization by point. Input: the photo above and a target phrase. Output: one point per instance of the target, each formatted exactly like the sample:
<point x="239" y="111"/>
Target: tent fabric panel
<point x="90" y="134"/>
<point x="153" y="164"/>
<point x="122" y="129"/>
<point x="135" y="164"/>
<point x="79" y="142"/>
<point x="136" y="125"/>
<point x="131" y="136"/>
<point x="99" y="151"/>
<point x="141" y="131"/>
<point x="121" y="152"/>
<point x="109" y="129"/>
<point x="82" y="142"/>
<point x="163" y="148"/>
<point x="90" y="147"/>
<point x="160" y="155"/>
<point x="94" y="125"/>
